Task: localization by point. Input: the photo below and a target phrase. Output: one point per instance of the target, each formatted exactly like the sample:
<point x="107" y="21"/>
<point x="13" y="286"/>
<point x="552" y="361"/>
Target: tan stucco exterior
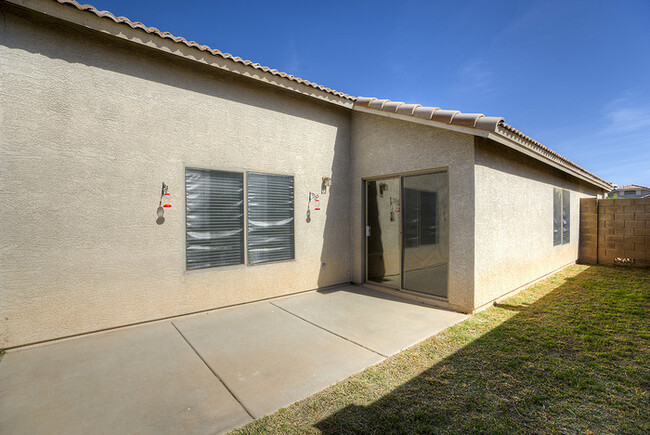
<point x="383" y="146"/>
<point x="90" y="130"/>
<point x="92" y="122"/>
<point x="514" y="200"/>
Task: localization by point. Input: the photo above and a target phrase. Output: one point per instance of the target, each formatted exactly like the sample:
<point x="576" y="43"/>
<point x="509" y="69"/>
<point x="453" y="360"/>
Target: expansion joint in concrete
<point x="214" y="372"/>
<point x="331" y="332"/>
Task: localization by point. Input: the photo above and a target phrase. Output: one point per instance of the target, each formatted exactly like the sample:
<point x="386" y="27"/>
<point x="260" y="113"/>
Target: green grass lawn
<point x="570" y="354"/>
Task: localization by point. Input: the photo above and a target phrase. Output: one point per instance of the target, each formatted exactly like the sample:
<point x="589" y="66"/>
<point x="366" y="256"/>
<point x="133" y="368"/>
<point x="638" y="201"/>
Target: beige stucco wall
<point x="91" y="127"/>
<point x="384" y="146"/>
<point x="514" y="220"/>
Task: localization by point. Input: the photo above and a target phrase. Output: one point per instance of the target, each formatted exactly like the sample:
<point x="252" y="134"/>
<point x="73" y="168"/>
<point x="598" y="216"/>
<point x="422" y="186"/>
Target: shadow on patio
<point x="570" y="354"/>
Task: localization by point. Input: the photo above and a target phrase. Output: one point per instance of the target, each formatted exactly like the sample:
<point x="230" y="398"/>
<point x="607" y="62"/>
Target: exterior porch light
<point x="327" y="182"/>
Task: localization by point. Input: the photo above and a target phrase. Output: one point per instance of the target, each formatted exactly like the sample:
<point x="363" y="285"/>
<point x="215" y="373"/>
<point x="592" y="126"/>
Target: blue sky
<point x="574" y="75"/>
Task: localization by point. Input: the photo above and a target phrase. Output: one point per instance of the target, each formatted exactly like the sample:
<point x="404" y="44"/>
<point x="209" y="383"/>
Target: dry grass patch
<point x="570" y="354"/>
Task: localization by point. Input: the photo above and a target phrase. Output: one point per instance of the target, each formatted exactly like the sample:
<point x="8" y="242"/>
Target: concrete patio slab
<point x="378" y="321"/>
<point x="269" y="358"/>
<point x="140" y="380"/>
<point x="208" y="373"/>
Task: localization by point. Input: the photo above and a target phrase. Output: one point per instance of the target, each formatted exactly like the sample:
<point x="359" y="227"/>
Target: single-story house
<point x="630" y="191"/>
<point x="144" y="176"/>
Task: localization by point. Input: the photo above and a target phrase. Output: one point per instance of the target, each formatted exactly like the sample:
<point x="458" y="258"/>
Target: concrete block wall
<point x="588" y="239"/>
<point x="621" y="229"/>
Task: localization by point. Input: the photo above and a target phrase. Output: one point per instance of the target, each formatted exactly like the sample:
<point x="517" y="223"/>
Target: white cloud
<point x="619" y="150"/>
<point x="625" y="116"/>
<point x="476" y="74"/>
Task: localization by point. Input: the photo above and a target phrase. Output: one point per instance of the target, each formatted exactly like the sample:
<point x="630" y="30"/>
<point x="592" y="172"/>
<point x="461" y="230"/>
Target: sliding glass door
<point x="425" y="233"/>
<point x="407" y="230"/>
<point x="383" y="228"/>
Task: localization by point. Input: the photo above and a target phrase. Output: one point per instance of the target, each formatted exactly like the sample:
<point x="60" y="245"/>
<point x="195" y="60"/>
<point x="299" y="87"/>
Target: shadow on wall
<point x="496" y="156"/>
<point x="335" y="251"/>
<point x="551" y="367"/>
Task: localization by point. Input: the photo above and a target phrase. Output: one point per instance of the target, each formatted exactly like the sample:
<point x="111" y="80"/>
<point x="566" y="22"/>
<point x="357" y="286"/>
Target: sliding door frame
<point x="399" y="225"/>
<point x="364" y="222"/>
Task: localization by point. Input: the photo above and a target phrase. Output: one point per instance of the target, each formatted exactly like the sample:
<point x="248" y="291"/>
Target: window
<point x="629" y="192"/>
<point x="214" y="223"/>
<point x="214" y="218"/>
<point x="561" y="216"/>
<point x="270" y="218"/>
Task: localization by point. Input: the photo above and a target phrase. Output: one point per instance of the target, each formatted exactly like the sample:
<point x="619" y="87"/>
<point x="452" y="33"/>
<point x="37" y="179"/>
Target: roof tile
<point x="407" y="109"/>
<point x="392" y="106"/>
<point x="466" y="119"/>
<point x="478" y="121"/>
<point x="472" y="120"/>
<point x="425" y="112"/>
<point x="377" y="104"/>
<point x="181" y="40"/>
<point x="488" y="123"/>
<point x="445" y="116"/>
<point x="363" y="101"/>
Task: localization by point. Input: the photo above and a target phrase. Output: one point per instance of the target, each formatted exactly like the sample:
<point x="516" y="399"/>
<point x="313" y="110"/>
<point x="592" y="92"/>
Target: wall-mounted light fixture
<point x="327" y="182"/>
<point x="312" y="197"/>
<point x="165" y="196"/>
<point x="382" y="188"/>
<point x="165" y="201"/>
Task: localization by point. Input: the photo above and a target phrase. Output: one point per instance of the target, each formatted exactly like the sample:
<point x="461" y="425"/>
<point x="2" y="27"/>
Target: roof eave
<point x="536" y="154"/>
<point x="520" y="146"/>
<point x="196" y="53"/>
<point x="423" y="121"/>
<point x="473" y="124"/>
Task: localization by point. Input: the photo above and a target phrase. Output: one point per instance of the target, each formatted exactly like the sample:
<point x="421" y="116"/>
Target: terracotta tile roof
<point x="451" y="117"/>
<point x="478" y="121"/>
<point x="632" y="186"/>
<point x="205" y="48"/>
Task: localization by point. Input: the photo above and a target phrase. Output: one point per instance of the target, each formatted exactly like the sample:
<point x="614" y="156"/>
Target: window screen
<point x="561" y="216"/>
<point x="270" y="218"/>
<point x="214" y="222"/>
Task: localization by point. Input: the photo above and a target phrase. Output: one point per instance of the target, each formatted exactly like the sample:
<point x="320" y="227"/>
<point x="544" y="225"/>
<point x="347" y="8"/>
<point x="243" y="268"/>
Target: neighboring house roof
<point x="632" y="187"/>
<point x="492" y="127"/>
